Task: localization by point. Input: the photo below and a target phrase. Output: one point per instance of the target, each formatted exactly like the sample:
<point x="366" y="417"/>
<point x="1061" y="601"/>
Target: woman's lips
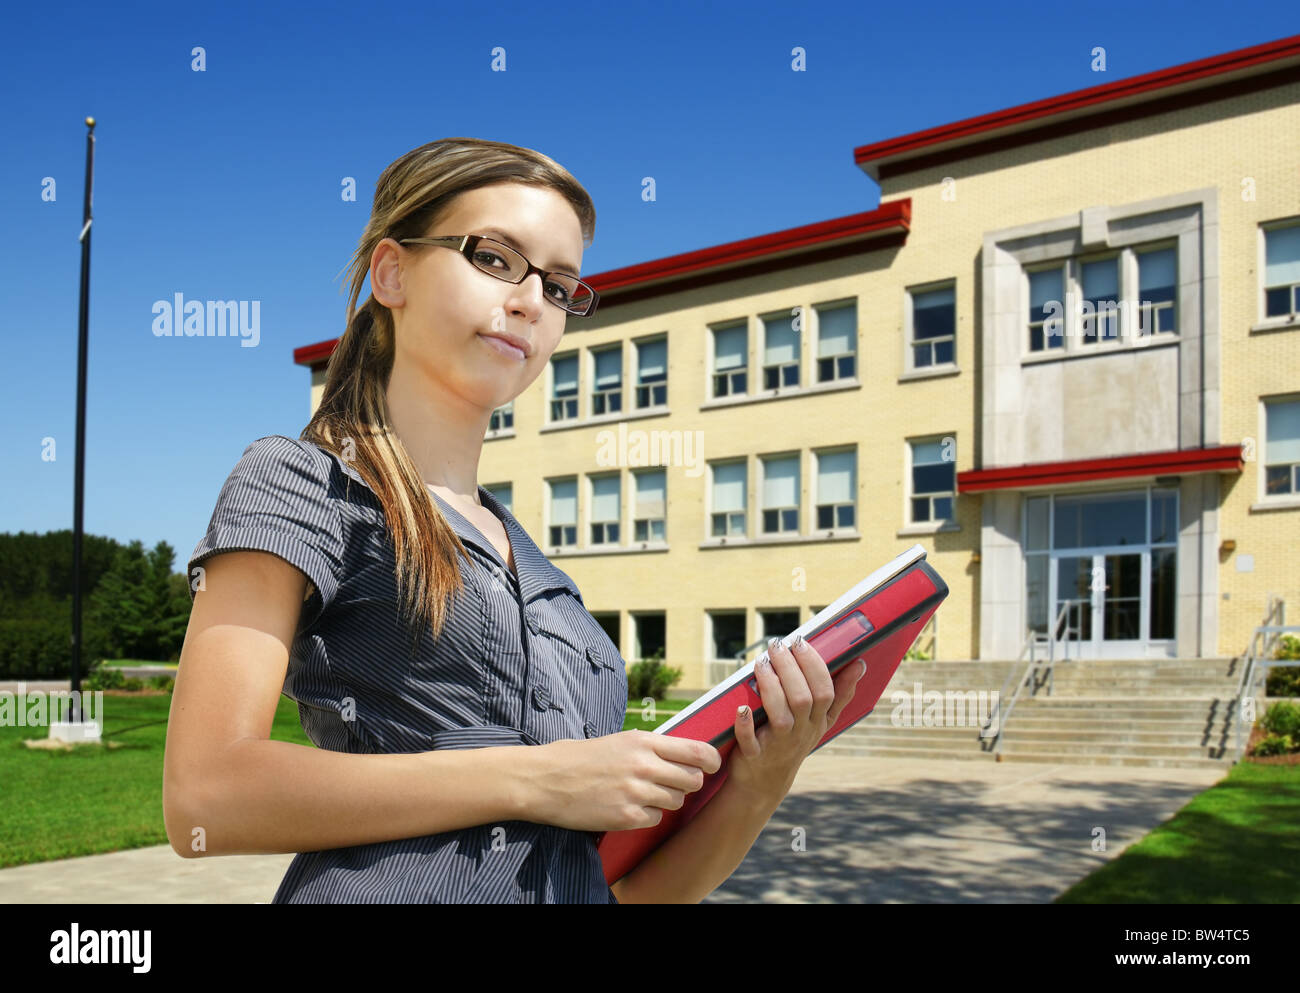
<point x="504" y="347"/>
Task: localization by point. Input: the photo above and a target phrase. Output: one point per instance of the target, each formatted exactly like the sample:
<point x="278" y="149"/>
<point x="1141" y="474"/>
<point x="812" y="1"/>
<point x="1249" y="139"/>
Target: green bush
<point x="161" y="683"/>
<point x="1282" y="718"/>
<point x="651" y="678"/>
<point x="1274" y="744"/>
<point x="104" y="678"/>
<point x="1285" y="682"/>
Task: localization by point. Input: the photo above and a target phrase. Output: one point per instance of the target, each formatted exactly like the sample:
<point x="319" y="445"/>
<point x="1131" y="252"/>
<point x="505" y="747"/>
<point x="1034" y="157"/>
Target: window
<point x="836" y="489"/>
<point x="605" y="509"/>
<point x="564" y="387"/>
<point x="730" y="360"/>
<point x="648" y="522"/>
<point x="933" y="482"/>
<point x="837" y="342"/>
<point x="1046" y="310"/>
<point x="1282" y="447"/>
<point x="780" y="353"/>
<point x="934" y="327"/>
<point x="503" y="418"/>
<point x="652" y="373"/>
<point x="730" y="482"/>
<point x="779" y="623"/>
<point x="1157" y="284"/>
<point x="609" y="623"/>
<point x="1100" y="279"/>
<point x="564" y="512"/>
<point x="607" y="397"/>
<point x="781" y="495"/>
<point x="648" y="635"/>
<point x="504" y="493"/>
<point x="1282" y="271"/>
<point x="728" y="628"/>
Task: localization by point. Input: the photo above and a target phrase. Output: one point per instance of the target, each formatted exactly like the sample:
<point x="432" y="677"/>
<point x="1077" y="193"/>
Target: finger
<point x="846" y="687"/>
<point x="815" y="672"/>
<point x="798" y="697"/>
<point x="772" y="693"/>
<point x="687" y="752"/>
<point x="746" y="741"/>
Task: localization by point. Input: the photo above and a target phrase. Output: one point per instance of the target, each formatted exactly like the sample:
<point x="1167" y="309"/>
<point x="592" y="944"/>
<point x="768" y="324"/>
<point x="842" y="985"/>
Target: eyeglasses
<point x="570" y="292"/>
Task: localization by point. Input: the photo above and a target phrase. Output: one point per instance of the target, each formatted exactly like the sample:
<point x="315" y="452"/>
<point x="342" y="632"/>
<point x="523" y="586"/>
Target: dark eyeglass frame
<point x="467" y="244"/>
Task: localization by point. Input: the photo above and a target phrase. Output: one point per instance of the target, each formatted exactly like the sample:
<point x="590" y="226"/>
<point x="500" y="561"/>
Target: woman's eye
<point x="563" y="295"/>
<point x="490" y="255"/>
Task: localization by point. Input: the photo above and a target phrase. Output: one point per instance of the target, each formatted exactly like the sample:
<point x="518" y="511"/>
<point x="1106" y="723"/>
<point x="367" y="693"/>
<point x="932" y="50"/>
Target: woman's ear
<point x="386" y="274"/>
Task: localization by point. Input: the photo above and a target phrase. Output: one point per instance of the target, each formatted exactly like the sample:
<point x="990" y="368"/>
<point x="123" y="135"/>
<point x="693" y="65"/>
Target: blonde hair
<point x="411" y="195"/>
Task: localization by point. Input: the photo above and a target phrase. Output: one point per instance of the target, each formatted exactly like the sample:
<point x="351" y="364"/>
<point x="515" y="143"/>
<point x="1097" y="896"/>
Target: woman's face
<point x="452" y="319"/>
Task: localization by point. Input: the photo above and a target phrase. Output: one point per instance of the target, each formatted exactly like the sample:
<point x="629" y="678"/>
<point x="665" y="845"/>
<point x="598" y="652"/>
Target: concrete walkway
<point x="873" y="830"/>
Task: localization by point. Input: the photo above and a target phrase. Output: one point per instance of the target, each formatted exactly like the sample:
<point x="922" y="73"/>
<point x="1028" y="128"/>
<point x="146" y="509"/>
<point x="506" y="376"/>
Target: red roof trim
<point x="1237" y="71"/>
<point x="1222" y="458"/>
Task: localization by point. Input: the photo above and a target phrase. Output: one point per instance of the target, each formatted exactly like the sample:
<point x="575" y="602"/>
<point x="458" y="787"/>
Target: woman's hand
<point x="801" y="701"/>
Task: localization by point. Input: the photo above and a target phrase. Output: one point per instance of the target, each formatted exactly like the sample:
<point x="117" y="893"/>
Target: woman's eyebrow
<point x="513" y="242"/>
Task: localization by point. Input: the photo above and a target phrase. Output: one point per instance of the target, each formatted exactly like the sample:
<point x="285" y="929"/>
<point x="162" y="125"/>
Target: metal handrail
<point x="1269" y="635"/>
<point x="1027" y="674"/>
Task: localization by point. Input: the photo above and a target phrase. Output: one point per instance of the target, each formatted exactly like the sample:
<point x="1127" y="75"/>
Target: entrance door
<point x="1110" y="559"/>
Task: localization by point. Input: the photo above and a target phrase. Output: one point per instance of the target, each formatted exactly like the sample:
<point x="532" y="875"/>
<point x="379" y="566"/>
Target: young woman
<point x="477" y="761"/>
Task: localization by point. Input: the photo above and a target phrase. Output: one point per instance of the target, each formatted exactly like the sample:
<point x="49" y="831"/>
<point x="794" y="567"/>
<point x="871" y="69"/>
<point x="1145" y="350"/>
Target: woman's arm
<point x="229" y="789"/>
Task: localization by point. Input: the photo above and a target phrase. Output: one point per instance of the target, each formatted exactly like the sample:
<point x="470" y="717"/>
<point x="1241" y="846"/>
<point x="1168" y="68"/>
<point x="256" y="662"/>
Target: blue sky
<point x="224" y="184"/>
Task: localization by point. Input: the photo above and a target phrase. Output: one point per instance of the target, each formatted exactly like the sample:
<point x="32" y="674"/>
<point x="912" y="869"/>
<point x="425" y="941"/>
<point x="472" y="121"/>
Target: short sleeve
<point x="276" y="500"/>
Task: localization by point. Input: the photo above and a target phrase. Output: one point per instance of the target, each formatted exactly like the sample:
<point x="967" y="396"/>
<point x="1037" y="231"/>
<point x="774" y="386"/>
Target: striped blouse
<point x="520" y="662"/>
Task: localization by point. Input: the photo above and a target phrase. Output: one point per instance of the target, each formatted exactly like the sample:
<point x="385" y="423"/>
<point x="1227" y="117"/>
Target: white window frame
<point x="649" y="521"/>
<point x="577" y="511"/>
<point x="731" y="372"/>
<point x="783" y="510"/>
<point x="493" y="487"/>
<point x="816" y="358"/>
<point x="1262" y="454"/>
<point x="712" y="646"/>
<point x="1293" y="315"/>
<point x="609" y="394"/>
<point x="796" y="363"/>
<point x="815" y="479"/>
<point x="655" y="385"/>
<point x="552" y="399"/>
<point x="605" y="541"/>
<point x="743" y="513"/>
<point x="506" y="410"/>
<point x="912" y="344"/>
<point x="908" y="496"/>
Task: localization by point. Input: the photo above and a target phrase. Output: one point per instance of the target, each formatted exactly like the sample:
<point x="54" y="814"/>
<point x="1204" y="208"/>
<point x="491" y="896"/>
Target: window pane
<point x="1282" y="439"/>
<point x="781" y="482"/>
<point x="943" y="351"/>
<point x="1036" y="524"/>
<point x="789" y="520"/>
<point x="564" y="502"/>
<point x="781" y="342"/>
<point x="837" y="331"/>
<point x="1109" y="519"/>
<point x="504" y="493"/>
<point x="1163" y="584"/>
<point x="728" y="635"/>
<point x="1157" y="276"/>
<point x="1164" y="515"/>
<point x="1044" y="288"/>
<point x="927" y="451"/>
<point x="825" y="516"/>
<point x="565" y="375"/>
<point x="1282" y="255"/>
<point x="920" y="508"/>
<point x="844" y="516"/>
<point x="835" y="472"/>
<point x="729" y="487"/>
<point x="932" y="478"/>
<point x="604" y="498"/>
<point x="650" y="494"/>
<point x="609" y="368"/>
<point x="933" y="313"/>
<point x="652" y="358"/>
<point x="729" y="348"/>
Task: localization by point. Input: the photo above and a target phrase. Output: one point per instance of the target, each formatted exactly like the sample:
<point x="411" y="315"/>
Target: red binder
<point x="878" y="619"/>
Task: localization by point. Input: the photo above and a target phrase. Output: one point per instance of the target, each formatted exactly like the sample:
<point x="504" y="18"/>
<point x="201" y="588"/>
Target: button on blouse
<point x="520" y="662"/>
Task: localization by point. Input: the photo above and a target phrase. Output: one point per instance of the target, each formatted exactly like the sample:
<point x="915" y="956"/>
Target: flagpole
<point x="79" y="491"/>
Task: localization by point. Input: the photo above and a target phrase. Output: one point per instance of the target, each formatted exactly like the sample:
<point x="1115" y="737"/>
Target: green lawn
<point x="61" y="804"/>
<point x="1238" y="842"/>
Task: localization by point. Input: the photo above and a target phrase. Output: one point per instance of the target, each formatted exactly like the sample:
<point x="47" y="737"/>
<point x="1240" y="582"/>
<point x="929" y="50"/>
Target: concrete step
<point x="1087" y="738"/>
<point x="1012" y="745"/>
<point x="892" y="752"/>
<point x="1161" y="762"/>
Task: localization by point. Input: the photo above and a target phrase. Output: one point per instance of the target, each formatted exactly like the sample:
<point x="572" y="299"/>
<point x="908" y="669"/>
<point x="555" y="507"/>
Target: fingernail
<point x="762" y="661"/>
<point x="743" y="711"/>
<point x="799" y="642"/>
<point x="773" y="644"/>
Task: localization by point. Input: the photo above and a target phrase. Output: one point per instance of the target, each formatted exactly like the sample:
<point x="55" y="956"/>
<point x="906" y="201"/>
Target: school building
<point x="1063" y="354"/>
